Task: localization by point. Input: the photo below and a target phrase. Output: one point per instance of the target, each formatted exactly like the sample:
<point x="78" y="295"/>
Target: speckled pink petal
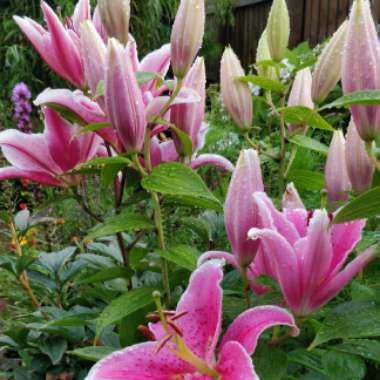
<point x="139" y="362"/>
<point x="248" y="326"/>
<point x="235" y="363"/>
<point x="203" y="303"/>
<point x="344" y="239"/>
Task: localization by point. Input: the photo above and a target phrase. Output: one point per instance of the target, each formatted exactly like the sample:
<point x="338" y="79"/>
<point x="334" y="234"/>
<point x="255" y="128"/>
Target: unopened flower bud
<point x="291" y="199"/>
<point x="240" y="210"/>
<point x="301" y="95"/>
<point x="187" y="35"/>
<point x="359" y="166"/>
<point x="278" y="29"/>
<point x="337" y="182"/>
<point x="263" y="54"/>
<point x="235" y="94"/>
<point x="361" y="67"/>
<point x="115" y="15"/>
<point x="327" y="72"/>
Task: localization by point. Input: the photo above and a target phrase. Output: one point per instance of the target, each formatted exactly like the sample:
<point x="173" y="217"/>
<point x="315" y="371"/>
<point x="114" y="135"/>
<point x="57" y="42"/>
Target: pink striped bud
<point x="187" y="35"/>
<point x="235" y="94"/>
<point x="359" y="166"/>
<point x="93" y="56"/>
<point x="361" y="67"/>
<point x="189" y="117"/>
<point x="115" y="15"/>
<point x="328" y="69"/>
<point x="123" y="98"/>
<point x="240" y="210"/>
<point x="337" y="182"/>
<point x="291" y="199"/>
<point x="301" y="95"/>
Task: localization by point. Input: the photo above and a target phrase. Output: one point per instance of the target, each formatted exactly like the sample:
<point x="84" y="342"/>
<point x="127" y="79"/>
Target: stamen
<point x="179" y="315"/>
<point x="161" y="344"/>
<point x="146" y="332"/>
<point x="175" y="328"/>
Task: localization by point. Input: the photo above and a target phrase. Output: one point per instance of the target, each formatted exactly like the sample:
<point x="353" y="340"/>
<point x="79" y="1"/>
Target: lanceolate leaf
<point x="182" y="184"/>
<point x="303" y="115"/>
<point x="364" y="206"/>
<point x="92" y="353"/>
<point x="182" y="255"/>
<point x="366" y="97"/>
<point x="108" y="274"/>
<point x="367" y="348"/>
<point x="123" y="306"/>
<point x="265" y="83"/>
<point x="307" y="179"/>
<point x="309" y="143"/>
<point x="120" y="223"/>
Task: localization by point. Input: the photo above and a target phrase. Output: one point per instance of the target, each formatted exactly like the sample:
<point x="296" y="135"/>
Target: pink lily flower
<point x="186" y="340"/>
<point x="59" y="45"/>
<point x="306" y="254"/>
<point x="45" y="157"/>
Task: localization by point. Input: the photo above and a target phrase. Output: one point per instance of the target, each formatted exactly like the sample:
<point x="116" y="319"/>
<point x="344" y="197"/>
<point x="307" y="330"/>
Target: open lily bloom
<point x="45" y="157"/>
<point x="306" y="253"/>
<point x="59" y="44"/>
<point x="186" y="339"/>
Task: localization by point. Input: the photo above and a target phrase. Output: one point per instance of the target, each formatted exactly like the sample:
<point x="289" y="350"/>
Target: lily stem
<point x="372" y="154"/>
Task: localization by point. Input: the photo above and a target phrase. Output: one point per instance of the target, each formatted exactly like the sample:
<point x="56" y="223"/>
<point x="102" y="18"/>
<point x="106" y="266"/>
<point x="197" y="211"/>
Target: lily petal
<point x="212" y="159"/>
<point x="211" y="255"/>
<point x="11" y="172"/>
<point x="248" y="326"/>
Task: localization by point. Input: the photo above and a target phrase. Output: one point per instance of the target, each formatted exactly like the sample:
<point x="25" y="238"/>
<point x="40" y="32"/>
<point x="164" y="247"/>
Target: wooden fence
<point x="311" y="20"/>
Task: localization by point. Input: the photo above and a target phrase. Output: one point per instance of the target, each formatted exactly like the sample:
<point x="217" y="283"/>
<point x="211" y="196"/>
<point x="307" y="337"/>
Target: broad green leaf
<point x="93" y="127"/>
<point x="54" y="261"/>
<point x="123" y="306"/>
<point x="182" y="255"/>
<point x="307" y="179"/>
<point x="108" y="274"/>
<point x="265" y="83"/>
<point x="67" y="114"/>
<point x="366" y="97"/>
<point x="357" y="319"/>
<point x="22" y="219"/>
<point x="146" y="76"/>
<point x="119" y="223"/>
<point x="80" y="319"/>
<point x="54" y="348"/>
<point x="182" y="184"/>
<point x="340" y="365"/>
<point x="312" y="360"/>
<point x="367" y="348"/>
<point x="364" y="206"/>
<point x="108" y="174"/>
<point x="104" y="161"/>
<point x="200" y="226"/>
<point x="93" y="353"/>
<point x="299" y="115"/>
<point x="309" y="143"/>
<point x="185" y="139"/>
<point x="271" y="363"/>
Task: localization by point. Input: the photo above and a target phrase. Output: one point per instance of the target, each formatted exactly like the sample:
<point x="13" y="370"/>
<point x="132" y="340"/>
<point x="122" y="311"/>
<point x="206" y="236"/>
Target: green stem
<point x="291" y="160"/>
<point x="372" y="154"/>
<point x="283" y="148"/>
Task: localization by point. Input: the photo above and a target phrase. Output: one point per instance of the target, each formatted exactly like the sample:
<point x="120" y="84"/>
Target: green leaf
<point x="182" y="184"/>
<point x="80" y="319"/>
<point x="300" y="115"/>
<point x="99" y="89"/>
<point x="339" y="365"/>
<point x="67" y="114"/>
<point x="146" y="76"/>
<point x="312" y="360"/>
<point x="187" y="144"/>
<point x="123" y="306"/>
<point x="108" y="174"/>
<point x="22" y="220"/>
<point x="265" y="83"/>
<point x="364" y="206"/>
<point x="306" y="179"/>
<point x="367" y="348"/>
<point x="309" y="143"/>
<point x="119" y="223"/>
<point x="92" y="353"/>
<point x="270" y="363"/>
<point x="54" y="348"/>
<point x="101" y="161"/>
<point x="108" y="274"/>
<point x="366" y="97"/>
<point x="93" y="127"/>
<point x="357" y="319"/>
<point x="182" y="255"/>
<point x="54" y="261"/>
<point x="200" y="226"/>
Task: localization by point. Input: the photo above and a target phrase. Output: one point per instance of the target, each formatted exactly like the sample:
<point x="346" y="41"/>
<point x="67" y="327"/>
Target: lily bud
<point x="291" y="199"/>
<point x="328" y="69"/>
<point x="361" y="67"/>
<point x="337" y="182"/>
<point x="240" y="209"/>
<point x="115" y="15"/>
<point x="278" y="29"/>
<point x="235" y="94"/>
<point x="94" y="57"/>
<point x="301" y="95"/>
<point x="189" y="117"/>
<point x="187" y="35"/>
<point x="123" y="98"/>
<point x="263" y="54"/>
<point x="359" y="166"/>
